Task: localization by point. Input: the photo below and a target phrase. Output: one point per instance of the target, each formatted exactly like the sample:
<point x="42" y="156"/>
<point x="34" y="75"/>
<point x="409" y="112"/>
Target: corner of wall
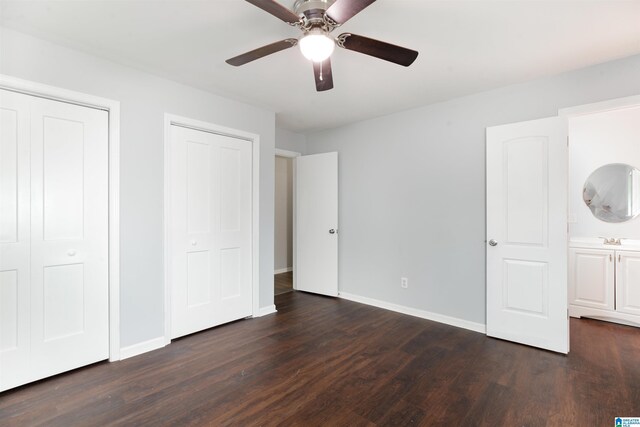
<point x="291" y="141"/>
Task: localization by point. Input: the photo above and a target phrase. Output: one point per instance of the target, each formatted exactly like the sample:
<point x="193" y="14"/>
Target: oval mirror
<point x="612" y="192"/>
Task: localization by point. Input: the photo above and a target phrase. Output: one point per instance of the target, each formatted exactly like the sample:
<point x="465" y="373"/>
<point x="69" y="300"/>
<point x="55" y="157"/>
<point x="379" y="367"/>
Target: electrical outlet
<point x="404" y="282"/>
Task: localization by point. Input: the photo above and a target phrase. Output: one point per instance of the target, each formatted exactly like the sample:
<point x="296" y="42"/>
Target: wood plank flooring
<point x="283" y="283"/>
<point x="330" y="362"/>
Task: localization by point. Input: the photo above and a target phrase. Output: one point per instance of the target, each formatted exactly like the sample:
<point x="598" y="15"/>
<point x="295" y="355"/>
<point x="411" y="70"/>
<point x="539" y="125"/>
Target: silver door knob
<point x="493" y="242"/>
<point x="332" y="231"/>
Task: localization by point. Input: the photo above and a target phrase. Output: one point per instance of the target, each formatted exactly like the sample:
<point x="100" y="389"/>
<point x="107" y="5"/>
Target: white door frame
<point x="292" y="155"/>
<point x="600" y="107"/>
<point x="174" y="120"/>
<point x="113" y="109"/>
<point x="593" y="108"/>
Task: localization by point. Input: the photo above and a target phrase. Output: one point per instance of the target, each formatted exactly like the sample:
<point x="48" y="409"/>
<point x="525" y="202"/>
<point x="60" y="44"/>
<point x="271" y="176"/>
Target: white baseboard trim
<point x="283" y="270"/>
<point x="440" y="318"/>
<point x="143" y="347"/>
<point x="265" y="311"/>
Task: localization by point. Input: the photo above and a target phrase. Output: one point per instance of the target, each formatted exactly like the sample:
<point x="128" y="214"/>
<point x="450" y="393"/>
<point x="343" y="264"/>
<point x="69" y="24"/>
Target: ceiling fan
<point x="317" y="19"/>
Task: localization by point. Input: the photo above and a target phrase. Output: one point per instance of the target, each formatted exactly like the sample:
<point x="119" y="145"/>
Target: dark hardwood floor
<point x="283" y="283"/>
<point x="331" y="362"/>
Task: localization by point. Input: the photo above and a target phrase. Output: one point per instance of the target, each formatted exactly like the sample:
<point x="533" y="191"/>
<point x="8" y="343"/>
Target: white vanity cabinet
<point x="605" y="284"/>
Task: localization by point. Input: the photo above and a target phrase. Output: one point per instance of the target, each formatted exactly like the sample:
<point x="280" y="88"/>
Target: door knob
<point x="71" y="252"/>
<point x="332" y="231"/>
<point x="493" y="242"/>
<point x="193" y="243"/>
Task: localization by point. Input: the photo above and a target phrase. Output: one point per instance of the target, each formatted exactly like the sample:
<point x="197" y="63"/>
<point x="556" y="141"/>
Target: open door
<point x="317" y="224"/>
<point x="527" y="168"/>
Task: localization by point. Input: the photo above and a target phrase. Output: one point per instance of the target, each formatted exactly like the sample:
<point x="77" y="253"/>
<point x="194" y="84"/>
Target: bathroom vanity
<point x="604" y="272"/>
<point x="604" y="280"/>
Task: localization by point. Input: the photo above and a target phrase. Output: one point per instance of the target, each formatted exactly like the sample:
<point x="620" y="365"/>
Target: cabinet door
<point x="591" y="278"/>
<point x="628" y="282"/>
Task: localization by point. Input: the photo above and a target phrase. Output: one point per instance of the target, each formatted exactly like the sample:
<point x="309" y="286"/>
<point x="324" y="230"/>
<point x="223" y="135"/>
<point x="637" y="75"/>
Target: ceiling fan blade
<point x="322" y="73"/>
<point x="343" y="10"/>
<point x="261" y="52"/>
<point x="277" y="10"/>
<point x="382" y="50"/>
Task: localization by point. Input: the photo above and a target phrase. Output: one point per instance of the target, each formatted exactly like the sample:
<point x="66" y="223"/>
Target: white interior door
<point x="210" y="230"/>
<point x="54" y="269"/>
<point x="317" y="223"/>
<point x="527" y="233"/>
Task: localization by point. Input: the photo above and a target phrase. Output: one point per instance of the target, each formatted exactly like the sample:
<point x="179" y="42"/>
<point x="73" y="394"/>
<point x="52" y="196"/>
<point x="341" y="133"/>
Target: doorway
<point x="586" y="160"/>
<point x="314" y="223"/>
<point x="284" y="227"/>
<point x="604" y="211"/>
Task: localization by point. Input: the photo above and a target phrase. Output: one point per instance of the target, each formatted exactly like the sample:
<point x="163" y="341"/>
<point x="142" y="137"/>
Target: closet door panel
<point x="14" y="239"/>
<point x="210" y="239"/>
<point x="69" y="229"/>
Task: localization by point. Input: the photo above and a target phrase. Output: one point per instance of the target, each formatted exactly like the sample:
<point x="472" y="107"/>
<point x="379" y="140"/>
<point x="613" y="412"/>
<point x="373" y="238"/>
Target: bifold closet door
<point x="54" y="247"/>
<point x="210" y="230"/>
<point x="15" y="225"/>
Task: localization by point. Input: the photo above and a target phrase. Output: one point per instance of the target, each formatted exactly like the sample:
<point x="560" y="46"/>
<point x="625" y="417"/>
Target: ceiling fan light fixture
<point x="317" y="46"/>
<point x="317" y="19"/>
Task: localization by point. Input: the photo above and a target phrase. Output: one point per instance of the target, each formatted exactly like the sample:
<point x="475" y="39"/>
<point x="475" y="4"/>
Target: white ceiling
<point x="465" y="47"/>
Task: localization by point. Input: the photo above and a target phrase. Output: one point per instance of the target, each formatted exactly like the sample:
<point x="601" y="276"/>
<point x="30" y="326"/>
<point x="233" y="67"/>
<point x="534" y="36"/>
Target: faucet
<point x="612" y="240"/>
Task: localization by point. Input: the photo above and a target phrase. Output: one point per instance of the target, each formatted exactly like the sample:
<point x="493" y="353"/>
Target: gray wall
<point x="291" y="141"/>
<point x="144" y="99"/>
<point x="412" y="188"/>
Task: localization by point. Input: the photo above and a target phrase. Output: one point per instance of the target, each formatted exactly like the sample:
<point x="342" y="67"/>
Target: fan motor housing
<point x="312" y="10"/>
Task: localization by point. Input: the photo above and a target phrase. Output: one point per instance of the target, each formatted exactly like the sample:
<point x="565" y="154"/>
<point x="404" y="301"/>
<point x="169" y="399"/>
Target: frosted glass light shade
<point x="317" y="46"/>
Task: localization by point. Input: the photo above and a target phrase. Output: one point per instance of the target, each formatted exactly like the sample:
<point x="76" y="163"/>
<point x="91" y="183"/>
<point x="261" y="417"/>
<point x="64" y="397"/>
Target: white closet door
<point x="53" y="238"/>
<point x="14" y="239"/>
<point x="210" y="230"/>
<point x="69" y="236"/>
